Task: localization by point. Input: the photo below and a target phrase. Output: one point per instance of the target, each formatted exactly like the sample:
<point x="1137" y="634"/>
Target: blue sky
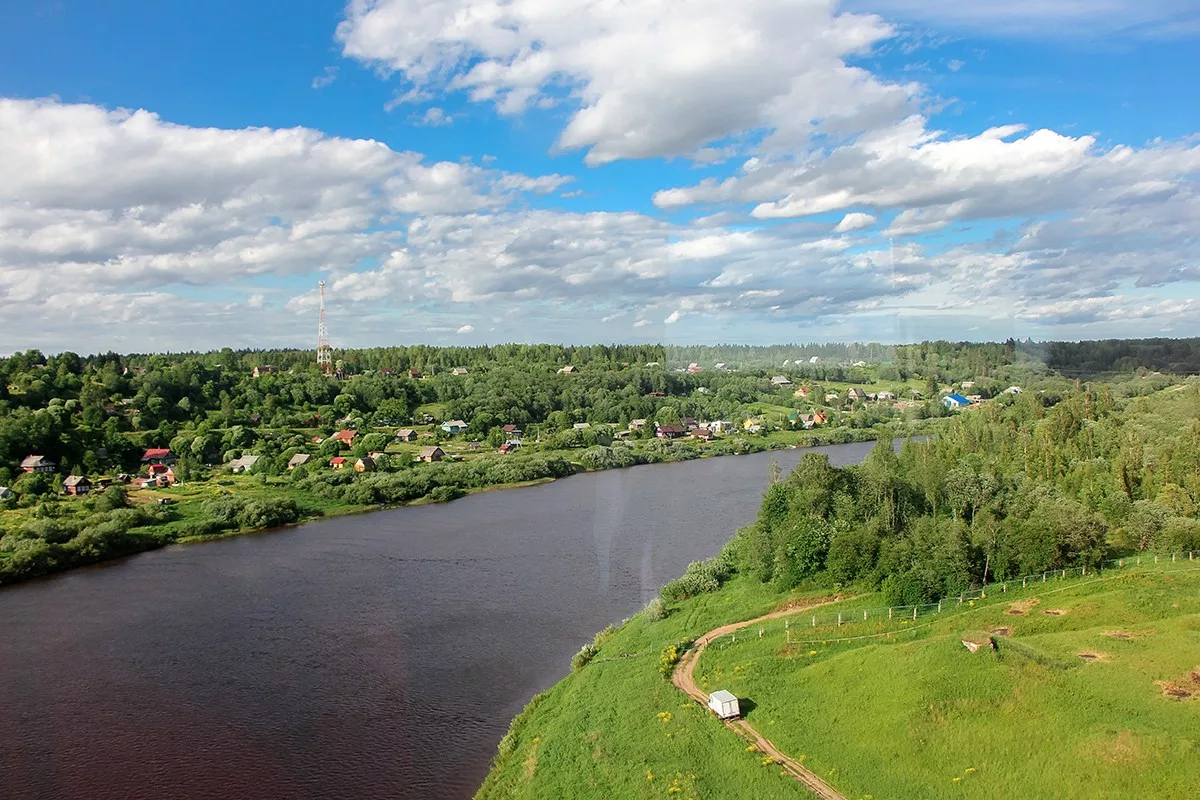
<point x="465" y="171"/>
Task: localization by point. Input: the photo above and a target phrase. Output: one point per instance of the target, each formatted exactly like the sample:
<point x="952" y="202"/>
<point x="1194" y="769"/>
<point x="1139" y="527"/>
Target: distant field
<point x="913" y="715"/>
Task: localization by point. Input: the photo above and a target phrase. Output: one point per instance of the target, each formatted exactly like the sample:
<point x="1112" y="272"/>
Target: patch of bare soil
<point x="1090" y="657"/>
<point x="1175" y="691"/>
<point x="1054" y="612"/>
<point x="1002" y="631"/>
<point x="1119" y="635"/>
<point x="804" y="603"/>
<point x="1021" y="608"/>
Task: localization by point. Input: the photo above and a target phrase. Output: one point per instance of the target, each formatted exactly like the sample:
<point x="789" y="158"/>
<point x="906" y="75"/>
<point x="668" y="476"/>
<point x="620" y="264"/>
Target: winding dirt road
<point x="686" y="683"/>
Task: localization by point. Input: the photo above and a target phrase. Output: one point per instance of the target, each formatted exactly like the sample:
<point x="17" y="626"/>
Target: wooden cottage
<point x="431" y="454"/>
<point x="76" y="485"/>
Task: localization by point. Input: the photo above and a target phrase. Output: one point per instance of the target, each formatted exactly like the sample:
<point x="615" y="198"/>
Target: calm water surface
<point x="373" y="656"/>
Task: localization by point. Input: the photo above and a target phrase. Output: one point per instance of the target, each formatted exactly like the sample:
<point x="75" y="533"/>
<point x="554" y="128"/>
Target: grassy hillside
<point x="909" y="714"/>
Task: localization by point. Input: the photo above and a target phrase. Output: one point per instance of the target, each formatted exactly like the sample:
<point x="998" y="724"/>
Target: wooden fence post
<point x="914" y="612"/>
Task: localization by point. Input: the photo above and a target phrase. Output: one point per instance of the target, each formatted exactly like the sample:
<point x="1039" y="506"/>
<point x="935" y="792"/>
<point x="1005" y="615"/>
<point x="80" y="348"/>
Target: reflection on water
<point x="371" y="656"/>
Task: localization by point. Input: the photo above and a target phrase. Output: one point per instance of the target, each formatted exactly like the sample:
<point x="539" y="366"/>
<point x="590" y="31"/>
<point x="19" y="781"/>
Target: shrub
<point x="700" y="577"/>
<point x="670" y="657"/>
<point x="585" y="654"/>
<point x="656" y="609"/>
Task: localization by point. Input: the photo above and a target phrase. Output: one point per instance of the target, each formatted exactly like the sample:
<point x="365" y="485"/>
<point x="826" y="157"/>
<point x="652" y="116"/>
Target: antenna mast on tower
<point x="324" y="350"/>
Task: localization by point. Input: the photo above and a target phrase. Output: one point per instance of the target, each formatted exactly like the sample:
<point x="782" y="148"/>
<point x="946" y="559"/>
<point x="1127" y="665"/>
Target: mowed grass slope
<point x="919" y="716"/>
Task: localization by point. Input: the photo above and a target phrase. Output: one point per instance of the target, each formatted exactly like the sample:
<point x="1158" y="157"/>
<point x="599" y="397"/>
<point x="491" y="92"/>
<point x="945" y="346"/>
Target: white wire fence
<point x="798" y="626"/>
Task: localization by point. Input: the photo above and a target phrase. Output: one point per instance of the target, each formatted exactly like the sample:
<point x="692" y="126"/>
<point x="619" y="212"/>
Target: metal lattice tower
<point x="324" y="350"/>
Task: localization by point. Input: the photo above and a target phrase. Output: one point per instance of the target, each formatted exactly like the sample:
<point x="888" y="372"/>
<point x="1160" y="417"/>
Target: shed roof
<point x="723" y="696"/>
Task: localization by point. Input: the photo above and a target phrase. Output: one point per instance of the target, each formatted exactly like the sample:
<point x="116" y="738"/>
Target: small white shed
<point x="724" y="704"/>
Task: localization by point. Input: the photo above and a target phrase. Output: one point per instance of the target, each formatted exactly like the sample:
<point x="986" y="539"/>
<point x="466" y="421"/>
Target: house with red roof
<point x="337" y="462"/>
<point x="158" y="455"/>
<point x="345" y="436"/>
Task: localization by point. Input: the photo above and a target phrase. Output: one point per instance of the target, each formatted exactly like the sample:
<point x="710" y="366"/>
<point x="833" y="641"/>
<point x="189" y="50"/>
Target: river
<point x="380" y="655"/>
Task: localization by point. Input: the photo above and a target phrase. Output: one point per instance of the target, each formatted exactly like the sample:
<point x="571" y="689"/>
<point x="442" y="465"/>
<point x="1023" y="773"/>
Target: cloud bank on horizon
<point x="669" y="170"/>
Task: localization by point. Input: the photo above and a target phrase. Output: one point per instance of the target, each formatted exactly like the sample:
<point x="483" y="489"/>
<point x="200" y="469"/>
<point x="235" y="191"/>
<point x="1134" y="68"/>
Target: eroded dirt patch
<point x="1004" y="630"/>
<point x="1054" y="612"/>
<point x="803" y="603"/>
<point x="1021" y="608"/>
<point x="1090" y="657"/>
<point x="1123" y="635"/>
<point x="1175" y="691"/>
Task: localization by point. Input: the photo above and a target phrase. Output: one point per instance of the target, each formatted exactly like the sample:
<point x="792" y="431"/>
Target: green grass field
<point x="907" y="714"/>
<point x="919" y="716"/>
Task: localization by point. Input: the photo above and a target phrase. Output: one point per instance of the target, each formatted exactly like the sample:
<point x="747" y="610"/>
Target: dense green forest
<point x="1013" y="489"/>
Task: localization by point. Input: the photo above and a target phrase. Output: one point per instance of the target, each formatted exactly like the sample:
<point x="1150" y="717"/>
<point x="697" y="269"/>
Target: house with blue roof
<point x="955" y="401"/>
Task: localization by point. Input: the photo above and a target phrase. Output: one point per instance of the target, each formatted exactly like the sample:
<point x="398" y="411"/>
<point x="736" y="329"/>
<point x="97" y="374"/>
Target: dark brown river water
<point x="373" y="656"/>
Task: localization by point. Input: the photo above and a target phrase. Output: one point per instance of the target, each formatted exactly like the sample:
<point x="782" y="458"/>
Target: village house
<point x="298" y="460"/>
<point x="637" y="424"/>
<point x="968" y="384"/>
<point x="158" y="455"/>
<point x="406" y="435"/>
<point x="780" y="380"/>
<point x="955" y="401"/>
<point x="1013" y="390"/>
<point x="855" y="393"/>
<point x="163" y="474"/>
<point x="6" y="493"/>
<point x="693" y="368"/>
<point x="702" y="433"/>
<point x="265" y="369"/>
<point x="688" y="422"/>
<point x="337" y="462"/>
<point x="670" y="431"/>
<point x="414" y="373"/>
<point x="581" y="426"/>
<point x="76" y="485"/>
<point x="38" y="464"/>
<point x="567" y="370"/>
<point x="458" y="371"/>
<point x="364" y="464"/>
<point x="801" y="393"/>
<point x="657" y="394"/>
<point x="454" y="426"/>
<point x="431" y="454"/>
<point x="831" y="397"/>
<point x="345" y="436"/>
<point x="243" y="464"/>
<point x="509" y="447"/>
<point x="885" y="395"/>
<point x="512" y="431"/>
<point x="719" y="425"/>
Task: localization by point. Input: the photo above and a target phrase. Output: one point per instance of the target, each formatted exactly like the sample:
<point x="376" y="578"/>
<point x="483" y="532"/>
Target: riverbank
<point x="1079" y="682"/>
<point x="68" y="532"/>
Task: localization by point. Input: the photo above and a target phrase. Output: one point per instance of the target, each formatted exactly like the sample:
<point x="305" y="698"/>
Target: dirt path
<point x="686" y="683"/>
